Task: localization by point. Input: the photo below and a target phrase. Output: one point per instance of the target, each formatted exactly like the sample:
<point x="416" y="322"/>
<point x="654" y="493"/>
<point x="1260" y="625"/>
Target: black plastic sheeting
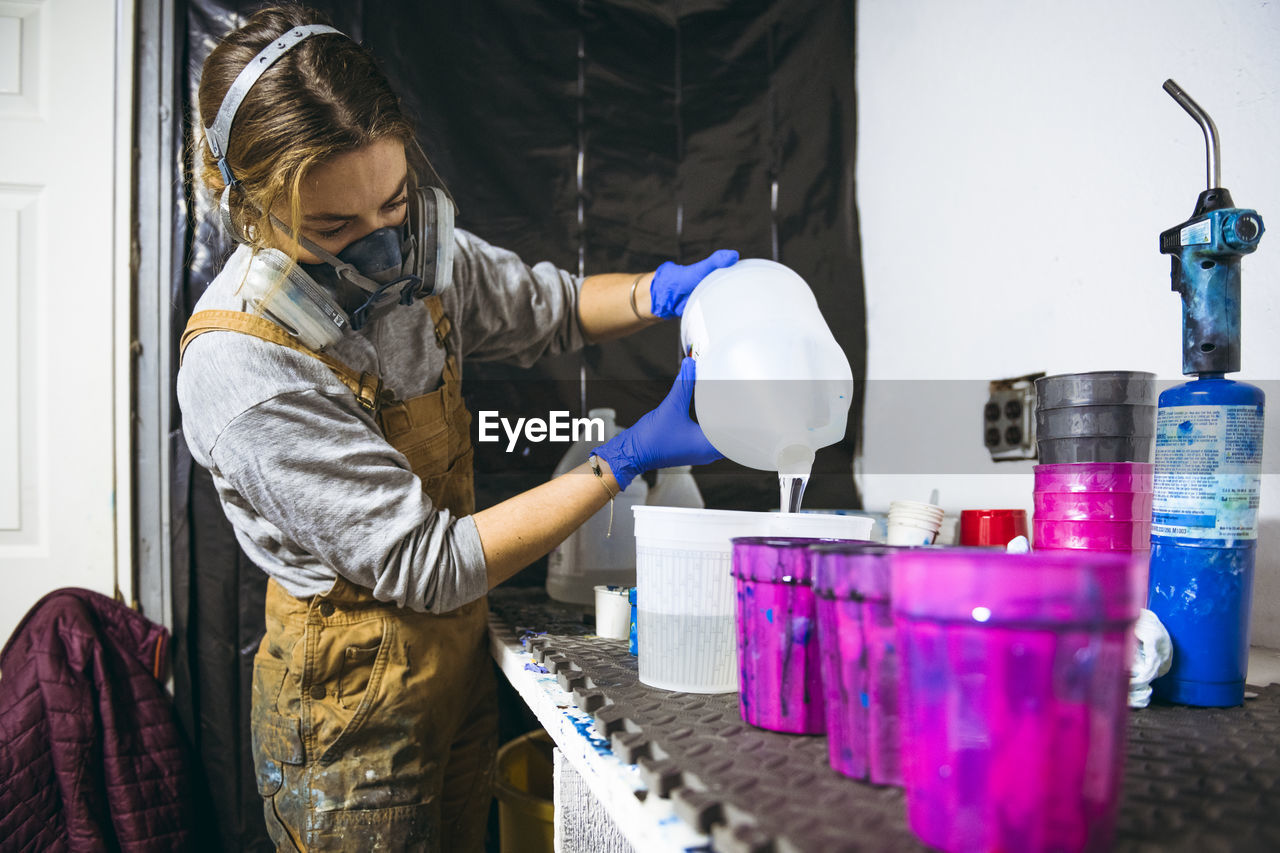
<point x="700" y="125"/>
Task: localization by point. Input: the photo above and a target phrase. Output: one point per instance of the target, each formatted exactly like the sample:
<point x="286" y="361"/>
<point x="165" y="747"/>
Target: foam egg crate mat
<point x="1196" y="779"/>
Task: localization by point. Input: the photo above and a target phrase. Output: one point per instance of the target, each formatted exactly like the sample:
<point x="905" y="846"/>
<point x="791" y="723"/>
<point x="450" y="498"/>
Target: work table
<point x="679" y="771"/>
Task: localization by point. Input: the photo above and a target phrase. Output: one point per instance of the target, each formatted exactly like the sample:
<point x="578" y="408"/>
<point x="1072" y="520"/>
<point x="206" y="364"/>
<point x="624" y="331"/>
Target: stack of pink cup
<point x="1093" y="506"/>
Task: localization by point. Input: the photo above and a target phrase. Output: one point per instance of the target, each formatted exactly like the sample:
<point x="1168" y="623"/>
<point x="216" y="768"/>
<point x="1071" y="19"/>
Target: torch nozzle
<point x="1213" y="158"/>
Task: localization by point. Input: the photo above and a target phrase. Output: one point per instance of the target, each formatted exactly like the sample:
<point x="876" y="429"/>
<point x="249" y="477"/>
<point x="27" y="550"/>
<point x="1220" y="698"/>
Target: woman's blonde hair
<point x="324" y="97"/>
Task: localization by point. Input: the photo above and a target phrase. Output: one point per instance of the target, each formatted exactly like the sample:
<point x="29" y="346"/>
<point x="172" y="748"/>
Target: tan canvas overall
<point x="375" y="727"/>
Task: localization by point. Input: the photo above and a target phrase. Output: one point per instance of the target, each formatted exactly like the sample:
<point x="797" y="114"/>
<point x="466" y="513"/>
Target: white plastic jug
<point x="773" y="386"/>
<point x="676" y="487"/>
<point x="591" y="555"/>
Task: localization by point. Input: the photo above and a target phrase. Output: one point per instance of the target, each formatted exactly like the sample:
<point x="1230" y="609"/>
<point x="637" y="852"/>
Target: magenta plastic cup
<point x="779" y="676"/>
<point x="1094" y="506"/>
<point x="1095" y="477"/>
<point x="1014" y="693"/>
<point x="1091" y="535"/>
<point x="857" y="639"/>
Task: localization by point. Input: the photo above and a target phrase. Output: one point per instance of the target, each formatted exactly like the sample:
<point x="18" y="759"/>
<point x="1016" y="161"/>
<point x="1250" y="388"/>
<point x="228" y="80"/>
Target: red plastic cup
<point x="991" y="527"/>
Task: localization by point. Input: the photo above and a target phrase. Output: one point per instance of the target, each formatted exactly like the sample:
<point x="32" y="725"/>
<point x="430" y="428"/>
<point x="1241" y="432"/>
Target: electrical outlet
<point x="1008" y="418"/>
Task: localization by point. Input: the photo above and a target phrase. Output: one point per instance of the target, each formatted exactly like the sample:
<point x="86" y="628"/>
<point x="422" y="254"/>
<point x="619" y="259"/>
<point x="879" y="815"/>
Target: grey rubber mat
<point x="1196" y="779"/>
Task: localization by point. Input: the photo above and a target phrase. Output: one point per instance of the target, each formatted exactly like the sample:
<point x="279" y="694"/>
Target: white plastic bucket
<point x="685" y="615"/>
<point x="613" y="612"/>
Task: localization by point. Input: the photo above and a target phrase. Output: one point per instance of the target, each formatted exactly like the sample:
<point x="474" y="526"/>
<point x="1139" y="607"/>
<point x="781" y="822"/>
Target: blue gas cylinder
<point x="1204" y="535"/>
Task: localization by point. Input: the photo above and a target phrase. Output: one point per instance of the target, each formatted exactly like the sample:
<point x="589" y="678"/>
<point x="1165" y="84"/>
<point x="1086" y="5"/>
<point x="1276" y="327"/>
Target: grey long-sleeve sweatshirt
<point x="310" y="485"/>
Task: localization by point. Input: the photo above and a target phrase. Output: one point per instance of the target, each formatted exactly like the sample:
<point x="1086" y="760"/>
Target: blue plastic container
<point x="631" y="597"/>
<point x="1204" y="536"/>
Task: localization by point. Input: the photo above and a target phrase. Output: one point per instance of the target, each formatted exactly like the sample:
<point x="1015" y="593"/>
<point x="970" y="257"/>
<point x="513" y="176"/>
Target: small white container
<point x="613" y="612"/>
<point x="904" y="531"/>
<point x="686" y="606"/>
<point x="913" y="523"/>
<point x="916" y="509"/>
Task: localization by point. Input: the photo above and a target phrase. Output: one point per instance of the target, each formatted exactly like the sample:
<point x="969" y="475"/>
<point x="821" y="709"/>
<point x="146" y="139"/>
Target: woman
<point x="320" y="387"/>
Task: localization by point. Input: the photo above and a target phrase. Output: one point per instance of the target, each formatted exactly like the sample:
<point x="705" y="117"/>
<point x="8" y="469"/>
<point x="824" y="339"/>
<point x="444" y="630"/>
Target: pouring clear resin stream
<point x="794" y="466"/>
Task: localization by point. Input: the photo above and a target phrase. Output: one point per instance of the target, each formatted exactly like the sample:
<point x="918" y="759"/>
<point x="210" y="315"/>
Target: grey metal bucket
<point x="1095" y="448"/>
<point x="1095" y="420"/>
<point x="1099" y="388"/>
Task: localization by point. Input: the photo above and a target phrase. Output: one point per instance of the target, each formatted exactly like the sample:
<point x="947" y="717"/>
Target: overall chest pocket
<point x="426" y="448"/>
<point x="356" y="672"/>
<point x="432" y="431"/>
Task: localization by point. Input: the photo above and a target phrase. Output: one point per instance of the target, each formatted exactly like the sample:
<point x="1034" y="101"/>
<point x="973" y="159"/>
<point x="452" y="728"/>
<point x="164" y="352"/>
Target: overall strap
<point x="366" y="386"/>
<point x="443" y="325"/>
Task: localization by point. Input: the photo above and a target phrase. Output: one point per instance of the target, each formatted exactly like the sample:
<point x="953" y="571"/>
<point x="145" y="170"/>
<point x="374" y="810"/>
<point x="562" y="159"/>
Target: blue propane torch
<point x="1208" y="462"/>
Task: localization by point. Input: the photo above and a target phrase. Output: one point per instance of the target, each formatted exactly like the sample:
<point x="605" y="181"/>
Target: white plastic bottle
<point x="591" y="555"/>
<point x="676" y="487"/>
<point x="773" y="386"/>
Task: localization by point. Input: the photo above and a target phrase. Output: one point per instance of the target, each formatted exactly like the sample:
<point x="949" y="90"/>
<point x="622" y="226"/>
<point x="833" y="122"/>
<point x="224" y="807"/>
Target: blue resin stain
<point x="787" y="651"/>
<point x="801" y="631"/>
<point x="526" y="634"/>
<point x="768" y="614"/>
<point x="535" y="667"/>
<point x="864" y="699"/>
<point x="585" y="729"/>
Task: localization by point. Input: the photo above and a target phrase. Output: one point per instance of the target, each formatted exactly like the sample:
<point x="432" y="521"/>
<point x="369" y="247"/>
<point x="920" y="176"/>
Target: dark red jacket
<point x="91" y="757"/>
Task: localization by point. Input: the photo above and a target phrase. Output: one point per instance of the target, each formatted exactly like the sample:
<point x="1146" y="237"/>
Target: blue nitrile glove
<point x="673" y="283"/>
<point x="663" y="438"/>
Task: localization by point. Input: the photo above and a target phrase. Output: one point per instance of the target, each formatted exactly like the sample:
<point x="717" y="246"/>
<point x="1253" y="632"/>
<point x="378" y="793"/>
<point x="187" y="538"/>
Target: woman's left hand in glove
<point x="673" y="282"/>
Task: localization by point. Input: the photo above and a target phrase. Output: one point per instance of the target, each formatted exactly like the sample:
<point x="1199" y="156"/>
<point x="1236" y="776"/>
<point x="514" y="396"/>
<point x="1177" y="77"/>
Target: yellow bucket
<point x="526" y="810"/>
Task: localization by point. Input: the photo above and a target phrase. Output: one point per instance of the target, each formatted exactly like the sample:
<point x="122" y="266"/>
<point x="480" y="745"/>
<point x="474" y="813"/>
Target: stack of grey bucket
<point x="1095" y="434"/>
<point x="1108" y="416"/>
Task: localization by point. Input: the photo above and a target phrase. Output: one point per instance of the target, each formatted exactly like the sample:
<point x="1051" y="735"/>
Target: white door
<point x="64" y="297"/>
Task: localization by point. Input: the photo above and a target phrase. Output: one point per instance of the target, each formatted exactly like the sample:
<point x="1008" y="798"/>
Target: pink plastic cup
<point x="1094" y="506"/>
<point x="1095" y="477"/>
<point x="1091" y="535"/>
<point x="858" y="642"/>
<point x="1014" y="686"/>
<point x="779" y="676"/>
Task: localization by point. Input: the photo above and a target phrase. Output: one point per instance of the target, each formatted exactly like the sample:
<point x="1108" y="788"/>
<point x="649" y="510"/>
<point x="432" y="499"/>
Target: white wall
<point x="1016" y="164"/>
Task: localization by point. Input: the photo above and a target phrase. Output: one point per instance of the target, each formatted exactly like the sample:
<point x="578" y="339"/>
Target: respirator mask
<point x="317" y="303"/>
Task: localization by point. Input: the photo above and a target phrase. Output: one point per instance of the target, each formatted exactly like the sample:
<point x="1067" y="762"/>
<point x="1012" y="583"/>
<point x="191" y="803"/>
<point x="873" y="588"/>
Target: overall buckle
<point x="370" y="394"/>
<point x="443" y="328"/>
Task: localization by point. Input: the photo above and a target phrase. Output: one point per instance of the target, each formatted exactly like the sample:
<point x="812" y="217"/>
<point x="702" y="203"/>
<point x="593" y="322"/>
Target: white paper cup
<point x="906" y="531"/>
<point x="916" y="509"/>
<point x="613" y="612"/>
